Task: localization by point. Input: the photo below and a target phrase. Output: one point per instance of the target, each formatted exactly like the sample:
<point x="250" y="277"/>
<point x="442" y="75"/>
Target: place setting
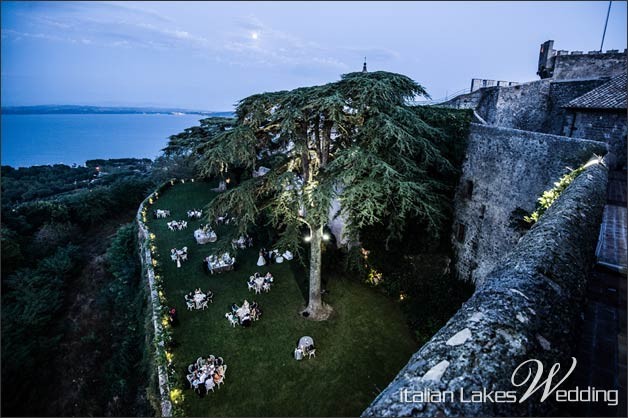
<point x="161" y="213"/>
<point x="260" y="283"/>
<point x="206" y="374"/>
<point x="305" y="348"/>
<point x="177" y="225"/>
<point x="194" y="214"/>
<point x="244" y="315"/>
<point x="219" y="264"/>
<point x="205" y="234"/>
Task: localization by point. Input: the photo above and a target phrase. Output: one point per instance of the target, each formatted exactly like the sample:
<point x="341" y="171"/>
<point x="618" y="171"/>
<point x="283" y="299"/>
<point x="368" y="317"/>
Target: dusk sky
<point x="203" y="55"/>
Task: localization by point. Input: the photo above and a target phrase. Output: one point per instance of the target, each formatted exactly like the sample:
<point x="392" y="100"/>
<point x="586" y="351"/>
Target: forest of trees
<point x="73" y="305"/>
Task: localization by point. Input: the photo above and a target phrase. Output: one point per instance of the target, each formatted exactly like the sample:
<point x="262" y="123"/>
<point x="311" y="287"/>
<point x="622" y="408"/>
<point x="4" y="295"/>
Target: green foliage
<point x="11" y="251"/>
<point x="415" y="267"/>
<point x="126" y="302"/>
<point x="40" y="257"/>
<point x="31" y="302"/>
<point x="549" y="196"/>
<point x="194" y="137"/>
<point x="356" y="140"/>
<point x="24" y="184"/>
<point x="180" y="156"/>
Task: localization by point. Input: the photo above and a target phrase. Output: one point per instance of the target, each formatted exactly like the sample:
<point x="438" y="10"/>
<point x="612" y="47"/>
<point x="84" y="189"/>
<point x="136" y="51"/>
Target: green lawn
<point x="359" y="350"/>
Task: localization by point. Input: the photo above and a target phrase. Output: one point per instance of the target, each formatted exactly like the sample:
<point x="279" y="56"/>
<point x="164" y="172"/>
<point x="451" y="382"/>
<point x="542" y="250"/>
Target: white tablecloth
<point x="204" y="237"/>
<point x="306" y="341"/>
<point x="198" y="299"/>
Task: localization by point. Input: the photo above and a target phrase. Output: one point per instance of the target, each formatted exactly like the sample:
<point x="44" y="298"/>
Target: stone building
<point x="530" y="285"/>
<point x="583" y="96"/>
<point x="565" y="65"/>
<point x="545" y="105"/>
<point x="600" y="115"/>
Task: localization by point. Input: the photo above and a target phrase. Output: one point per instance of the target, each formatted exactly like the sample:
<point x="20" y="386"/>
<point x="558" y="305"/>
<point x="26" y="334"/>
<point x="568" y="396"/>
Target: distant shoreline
<point x="104" y="110"/>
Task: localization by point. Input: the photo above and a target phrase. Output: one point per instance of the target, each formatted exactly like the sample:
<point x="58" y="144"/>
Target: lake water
<point x="51" y="139"/>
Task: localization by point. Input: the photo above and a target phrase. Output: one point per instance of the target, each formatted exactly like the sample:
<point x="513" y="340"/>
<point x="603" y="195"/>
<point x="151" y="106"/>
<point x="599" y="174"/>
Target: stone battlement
<point x="562" y="64"/>
<point x="526" y="309"/>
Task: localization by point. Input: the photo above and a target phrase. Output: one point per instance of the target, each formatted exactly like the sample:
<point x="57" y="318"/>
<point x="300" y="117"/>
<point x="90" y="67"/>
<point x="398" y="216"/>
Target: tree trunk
<point x="316" y="309"/>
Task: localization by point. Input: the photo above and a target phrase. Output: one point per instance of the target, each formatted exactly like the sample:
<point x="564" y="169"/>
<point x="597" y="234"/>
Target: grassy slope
<point x="359" y="350"/>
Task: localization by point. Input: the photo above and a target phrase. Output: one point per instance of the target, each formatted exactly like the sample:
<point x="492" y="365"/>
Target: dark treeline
<point x="74" y="330"/>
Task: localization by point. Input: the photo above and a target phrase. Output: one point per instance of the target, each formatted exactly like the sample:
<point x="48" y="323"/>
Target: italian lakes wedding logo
<point x="532" y="382"/>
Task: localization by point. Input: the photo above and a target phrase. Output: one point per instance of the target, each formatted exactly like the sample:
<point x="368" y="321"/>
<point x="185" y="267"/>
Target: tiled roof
<point x="610" y="95"/>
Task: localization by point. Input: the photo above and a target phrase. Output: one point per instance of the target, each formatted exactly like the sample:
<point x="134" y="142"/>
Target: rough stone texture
<point x="561" y="93"/>
<point x="507" y="170"/>
<point x="543" y="278"/>
<point x="524" y="106"/>
<point x="535" y="106"/>
<point x="583" y="66"/>
<point x="147" y="267"/>
<point x="598" y="125"/>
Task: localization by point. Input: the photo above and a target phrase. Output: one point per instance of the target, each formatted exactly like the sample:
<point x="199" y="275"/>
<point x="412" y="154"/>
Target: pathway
<point x="602" y="347"/>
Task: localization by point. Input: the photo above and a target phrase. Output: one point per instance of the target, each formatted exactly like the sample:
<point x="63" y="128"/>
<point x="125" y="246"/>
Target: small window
<point x="460" y="232"/>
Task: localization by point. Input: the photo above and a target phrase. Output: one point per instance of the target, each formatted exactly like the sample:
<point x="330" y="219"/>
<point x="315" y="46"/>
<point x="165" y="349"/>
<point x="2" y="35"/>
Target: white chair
<point x="266" y="287"/>
<point x="204" y="305"/>
<point x="209" y="384"/>
<point x="190" y="305"/>
<point x="195" y="384"/>
<point x="251" y="286"/>
<point x="191" y="368"/>
<point x="220" y="381"/>
<point x="311" y="353"/>
<point x="232" y="320"/>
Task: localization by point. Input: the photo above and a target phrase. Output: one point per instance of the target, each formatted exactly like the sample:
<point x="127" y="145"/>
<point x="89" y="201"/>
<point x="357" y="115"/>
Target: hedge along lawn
<point x="358" y="351"/>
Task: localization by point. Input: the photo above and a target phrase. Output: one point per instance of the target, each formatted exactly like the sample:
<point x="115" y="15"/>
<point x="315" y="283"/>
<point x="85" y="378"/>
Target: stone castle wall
<point x="526" y="308"/>
<point x="148" y="270"/>
<point x="524" y="106"/>
<point x="561" y="93"/>
<point x="598" y="125"/>
<point x="535" y="106"/>
<point x="505" y="170"/>
<point x="591" y="65"/>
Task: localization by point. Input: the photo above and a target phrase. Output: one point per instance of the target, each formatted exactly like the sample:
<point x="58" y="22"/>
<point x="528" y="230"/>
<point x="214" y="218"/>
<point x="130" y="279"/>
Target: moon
<point x="254" y="35"/>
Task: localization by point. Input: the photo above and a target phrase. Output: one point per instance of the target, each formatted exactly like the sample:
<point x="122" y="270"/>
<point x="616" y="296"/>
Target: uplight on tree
<point x="357" y="141"/>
